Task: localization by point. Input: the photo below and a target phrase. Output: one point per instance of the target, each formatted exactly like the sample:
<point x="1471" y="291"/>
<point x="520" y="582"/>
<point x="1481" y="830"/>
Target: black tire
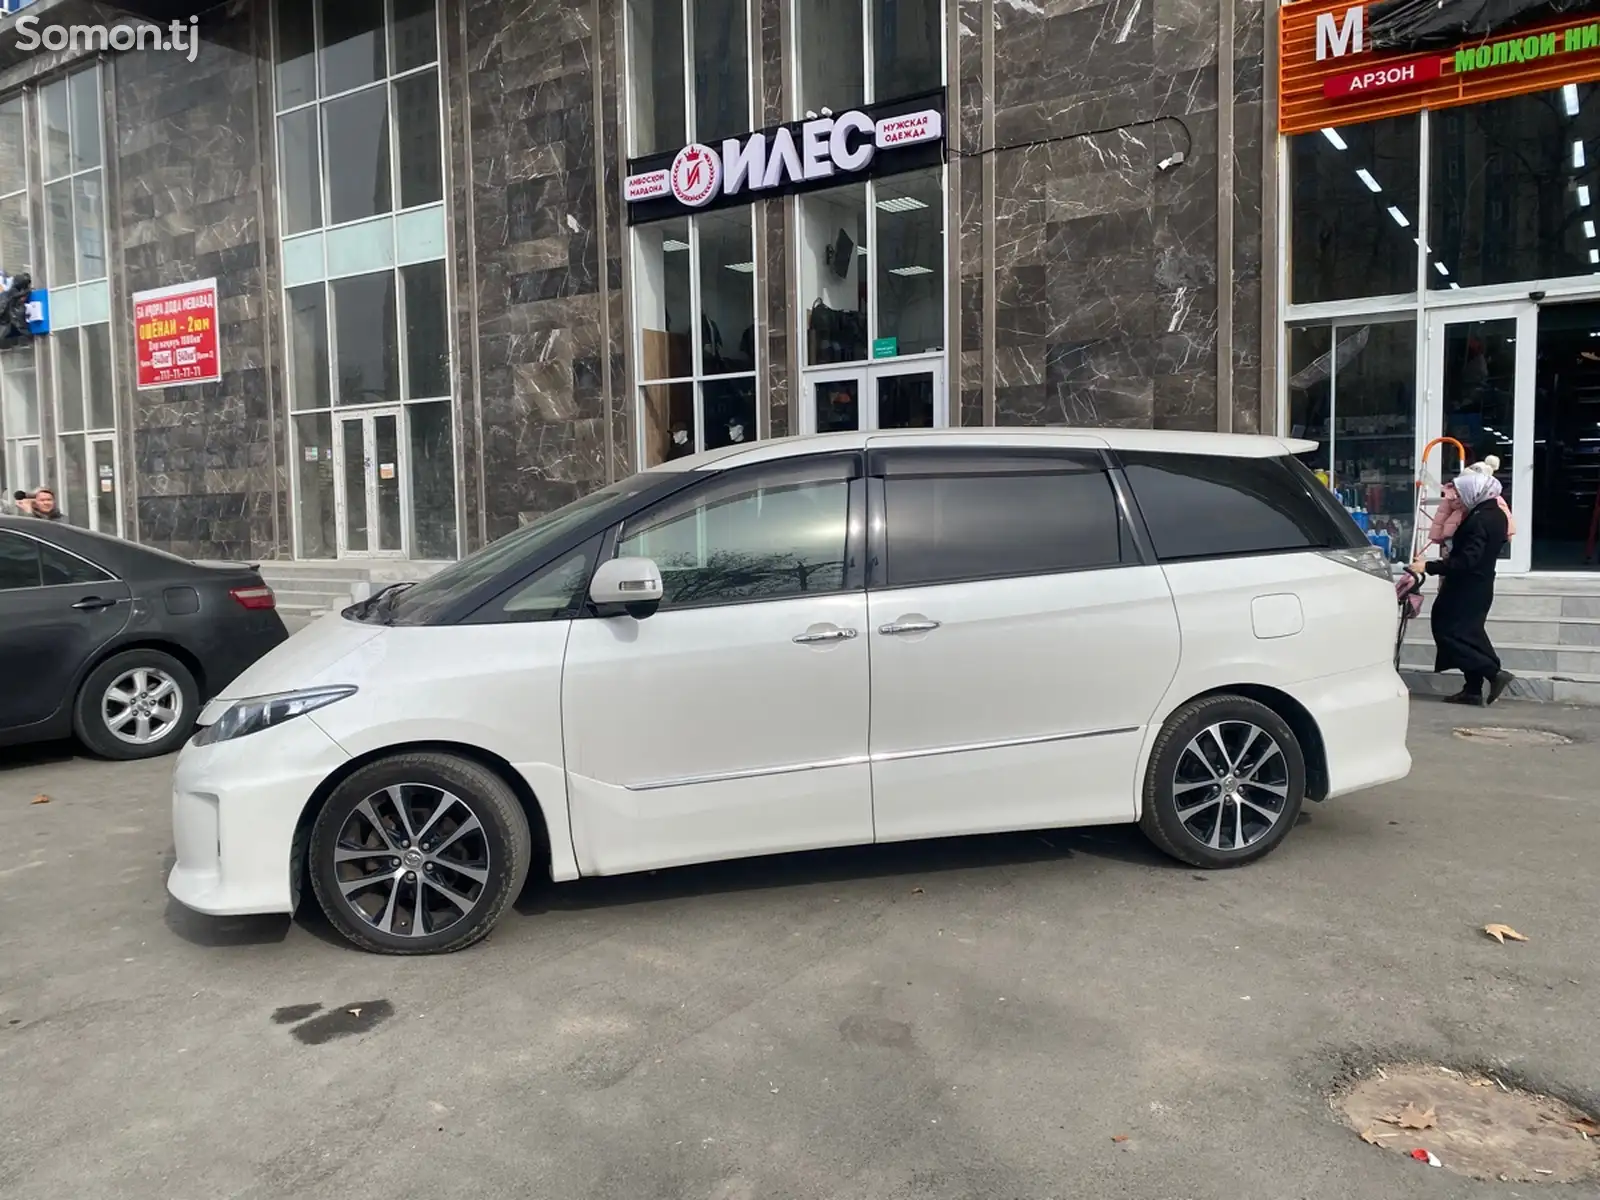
<point x="498" y="853"/>
<point x="90" y="720"/>
<point x="1173" y="765"/>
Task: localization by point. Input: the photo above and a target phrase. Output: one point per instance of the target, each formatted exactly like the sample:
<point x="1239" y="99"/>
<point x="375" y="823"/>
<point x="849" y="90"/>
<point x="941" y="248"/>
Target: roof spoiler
<point x="1299" y="445"/>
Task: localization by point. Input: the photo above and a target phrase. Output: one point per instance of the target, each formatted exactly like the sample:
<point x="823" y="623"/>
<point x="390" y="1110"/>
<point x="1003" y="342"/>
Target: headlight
<point x="256" y="713"/>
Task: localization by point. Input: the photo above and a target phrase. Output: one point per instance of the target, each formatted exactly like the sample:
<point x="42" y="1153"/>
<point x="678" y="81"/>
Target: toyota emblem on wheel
<point x="696" y="173"/>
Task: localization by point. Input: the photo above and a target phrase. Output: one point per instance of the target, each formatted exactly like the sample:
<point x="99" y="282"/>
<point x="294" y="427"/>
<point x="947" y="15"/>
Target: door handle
<point x="908" y="627"/>
<point x="93" y="604"/>
<point x="824" y="635"/>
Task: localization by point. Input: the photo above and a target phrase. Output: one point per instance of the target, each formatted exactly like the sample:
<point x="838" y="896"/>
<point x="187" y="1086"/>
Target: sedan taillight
<point x="254" y="597"/>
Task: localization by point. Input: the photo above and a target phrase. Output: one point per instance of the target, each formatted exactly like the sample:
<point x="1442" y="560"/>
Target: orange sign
<point x="1328" y="76"/>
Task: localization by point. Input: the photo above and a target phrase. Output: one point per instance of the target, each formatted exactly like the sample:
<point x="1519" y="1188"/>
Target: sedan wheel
<point x="420" y="853"/>
<point x="142" y="706"/>
<point x="1225" y="782"/>
<point x="137" y="704"/>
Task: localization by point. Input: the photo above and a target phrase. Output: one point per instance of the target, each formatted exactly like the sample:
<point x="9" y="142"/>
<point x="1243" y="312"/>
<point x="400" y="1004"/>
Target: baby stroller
<point x="1408" y="591"/>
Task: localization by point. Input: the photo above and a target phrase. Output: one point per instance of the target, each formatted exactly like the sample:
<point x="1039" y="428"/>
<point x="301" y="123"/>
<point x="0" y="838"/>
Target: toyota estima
<point x="804" y="643"/>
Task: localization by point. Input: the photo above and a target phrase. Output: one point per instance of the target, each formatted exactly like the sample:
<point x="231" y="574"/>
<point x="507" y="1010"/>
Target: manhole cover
<point x="1504" y="736"/>
<point x="1474" y="1125"/>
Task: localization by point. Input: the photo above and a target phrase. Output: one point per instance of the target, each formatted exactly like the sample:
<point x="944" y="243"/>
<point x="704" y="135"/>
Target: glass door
<point x="899" y="396"/>
<point x="370" y="481"/>
<point x="911" y="396"/>
<point x="103" y="500"/>
<point x="1481" y="392"/>
<point x="838" y="401"/>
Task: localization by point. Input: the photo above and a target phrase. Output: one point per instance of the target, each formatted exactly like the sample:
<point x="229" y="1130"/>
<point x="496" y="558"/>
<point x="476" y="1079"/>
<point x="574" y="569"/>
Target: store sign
<point x="175" y="335"/>
<point x="1346" y="63"/>
<point x="818" y="151"/>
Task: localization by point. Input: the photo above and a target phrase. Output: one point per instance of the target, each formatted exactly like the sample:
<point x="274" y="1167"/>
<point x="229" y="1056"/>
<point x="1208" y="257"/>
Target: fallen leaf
<point x="916" y="891"/>
<point x="1411" y="1117"/>
<point x="1501" y="932"/>
<point x="1480" y="1083"/>
<point x="354" y="1012"/>
<point x="1372" y="1137"/>
<point x="1119" y="1137"/>
<point x="41" y="798"/>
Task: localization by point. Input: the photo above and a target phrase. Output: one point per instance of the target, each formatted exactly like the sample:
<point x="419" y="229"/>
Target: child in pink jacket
<point x="1451" y="512"/>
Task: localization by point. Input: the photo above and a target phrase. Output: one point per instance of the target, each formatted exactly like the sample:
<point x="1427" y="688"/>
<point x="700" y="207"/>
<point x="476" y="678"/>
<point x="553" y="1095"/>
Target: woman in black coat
<point x="1466" y="590"/>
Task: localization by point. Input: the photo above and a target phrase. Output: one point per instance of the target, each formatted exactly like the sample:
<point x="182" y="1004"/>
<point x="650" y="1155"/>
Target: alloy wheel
<point x="142" y="706"/>
<point x="412" y="860"/>
<point x="1231" y="785"/>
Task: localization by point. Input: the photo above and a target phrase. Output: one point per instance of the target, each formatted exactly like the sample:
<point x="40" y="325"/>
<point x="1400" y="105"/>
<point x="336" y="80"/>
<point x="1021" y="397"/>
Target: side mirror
<point x="633" y="583"/>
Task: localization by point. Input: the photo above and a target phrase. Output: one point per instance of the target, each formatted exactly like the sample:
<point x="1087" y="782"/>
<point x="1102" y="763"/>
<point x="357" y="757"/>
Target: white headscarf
<point x="1475" y="487"/>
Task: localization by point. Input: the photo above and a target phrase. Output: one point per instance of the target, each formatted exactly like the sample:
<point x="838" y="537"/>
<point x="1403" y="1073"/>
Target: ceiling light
<point x="672" y="244"/>
<point x="745" y="268"/>
<point x="1366" y="177"/>
<point x="1583" y="195"/>
<point x="1399" y="217"/>
<point x="911" y="270"/>
<point x="1416" y="241"/>
<point x="1588" y="229"/>
<point x="902" y="204"/>
<point x="1454" y="286"/>
<point x="1334" y="139"/>
<point x="1441" y="268"/>
<point x="1577" y="154"/>
<point x="1594" y="256"/>
<point x="1569" y="97"/>
<point x="861" y="251"/>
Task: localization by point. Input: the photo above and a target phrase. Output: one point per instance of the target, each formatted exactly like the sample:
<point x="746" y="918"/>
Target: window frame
<point x="690" y="117"/>
<point x="983" y="461"/>
<point x="793" y="471"/>
<point x="71" y="177"/>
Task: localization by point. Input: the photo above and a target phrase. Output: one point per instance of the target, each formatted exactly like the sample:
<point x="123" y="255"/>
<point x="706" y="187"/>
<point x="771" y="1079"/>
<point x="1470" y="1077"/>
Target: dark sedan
<point x="119" y="644"/>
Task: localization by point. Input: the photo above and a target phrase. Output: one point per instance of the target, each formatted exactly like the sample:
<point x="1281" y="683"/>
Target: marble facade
<point x="1086" y="283"/>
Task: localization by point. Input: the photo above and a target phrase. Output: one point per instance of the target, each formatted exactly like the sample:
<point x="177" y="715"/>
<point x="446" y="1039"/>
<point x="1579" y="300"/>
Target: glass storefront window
<point x="906" y="51"/>
<point x="847" y="304"/>
<point x="360" y="140"/>
<point x="834" y="274"/>
<point x="1352" y="389"/>
<point x="1513" y="188"/>
<point x="656" y="75"/>
<point x="721" y="68"/>
<point x="74" y="193"/>
<point x="1354" y="211"/>
<point x="694" y="305"/>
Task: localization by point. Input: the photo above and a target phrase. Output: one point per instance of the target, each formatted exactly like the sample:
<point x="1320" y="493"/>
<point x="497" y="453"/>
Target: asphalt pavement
<point x="964" y="1019"/>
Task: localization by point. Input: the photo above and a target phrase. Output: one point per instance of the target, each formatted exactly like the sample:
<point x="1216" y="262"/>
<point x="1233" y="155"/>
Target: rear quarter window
<point x="1209" y="506"/>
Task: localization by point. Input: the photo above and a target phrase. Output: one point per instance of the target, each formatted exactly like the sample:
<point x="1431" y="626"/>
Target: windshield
<point x="422" y="602"/>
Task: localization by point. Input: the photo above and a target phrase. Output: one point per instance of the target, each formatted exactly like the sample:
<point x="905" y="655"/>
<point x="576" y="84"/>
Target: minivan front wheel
<point x="419" y="853"/>
<point x="1225" y="783"/>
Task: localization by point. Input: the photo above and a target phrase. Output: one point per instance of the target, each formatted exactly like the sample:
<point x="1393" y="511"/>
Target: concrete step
<point x="316" y="598"/>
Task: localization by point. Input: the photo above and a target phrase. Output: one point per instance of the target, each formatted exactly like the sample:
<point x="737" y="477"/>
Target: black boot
<point x="1471" y="692"/>
<point x="1498" y="685"/>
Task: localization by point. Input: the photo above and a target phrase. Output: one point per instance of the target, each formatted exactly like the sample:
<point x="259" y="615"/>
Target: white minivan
<point x="812" y="642"/>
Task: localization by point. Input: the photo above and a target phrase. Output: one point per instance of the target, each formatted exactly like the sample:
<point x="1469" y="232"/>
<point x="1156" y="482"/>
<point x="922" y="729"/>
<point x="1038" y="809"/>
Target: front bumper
<point x="235" y="806"/>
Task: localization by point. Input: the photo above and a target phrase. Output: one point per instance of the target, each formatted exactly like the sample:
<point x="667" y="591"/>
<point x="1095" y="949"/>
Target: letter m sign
<point x="1335" y="41"/>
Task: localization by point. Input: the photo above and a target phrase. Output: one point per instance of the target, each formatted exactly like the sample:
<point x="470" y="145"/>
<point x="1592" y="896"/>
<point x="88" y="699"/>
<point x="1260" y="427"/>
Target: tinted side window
<point x="995" y="515"/>
<point x="554" y="592"/>
<point x="59" y="567"/>
<point x="760" y="534"/>
<point x="19" y="562"/>
<point x="1204" y="506"/>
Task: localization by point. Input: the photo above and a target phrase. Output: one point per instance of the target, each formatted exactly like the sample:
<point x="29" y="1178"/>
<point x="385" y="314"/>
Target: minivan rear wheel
<point x="1225" y="783"/>
<point x="419" y="853"/>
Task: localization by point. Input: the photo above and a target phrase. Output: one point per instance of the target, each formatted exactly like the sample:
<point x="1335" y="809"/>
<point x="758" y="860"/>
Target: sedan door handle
<point x="908" y="627"/>
<point x="93" y="603"/>
<point x="824" y="635"/>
